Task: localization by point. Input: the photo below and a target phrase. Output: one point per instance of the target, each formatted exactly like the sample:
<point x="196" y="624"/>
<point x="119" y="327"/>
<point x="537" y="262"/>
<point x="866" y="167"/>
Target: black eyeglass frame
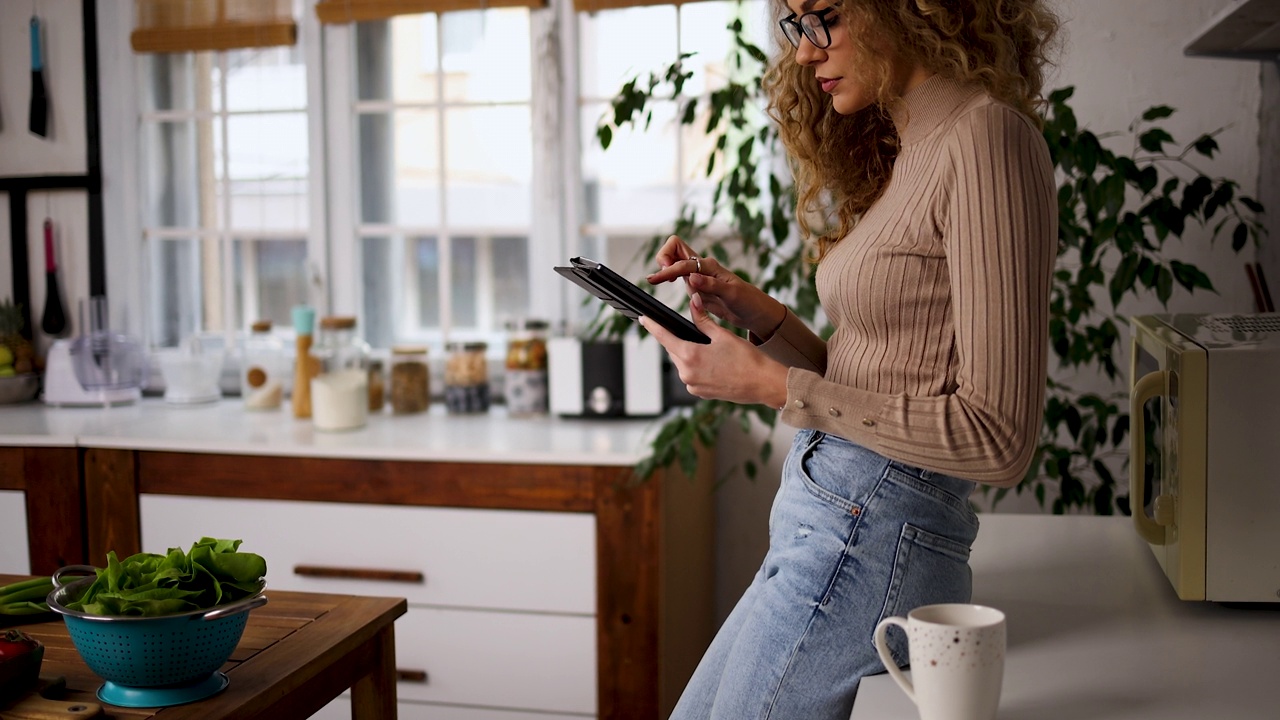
<point x="794" y="27"/>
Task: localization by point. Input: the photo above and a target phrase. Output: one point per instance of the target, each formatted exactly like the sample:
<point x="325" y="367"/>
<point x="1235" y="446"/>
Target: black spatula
<point x="38" y="119"/>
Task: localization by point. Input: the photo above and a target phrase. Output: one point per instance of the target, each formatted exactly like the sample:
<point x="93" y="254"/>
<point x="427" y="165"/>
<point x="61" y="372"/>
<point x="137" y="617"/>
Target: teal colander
<point x="166" y="652"/>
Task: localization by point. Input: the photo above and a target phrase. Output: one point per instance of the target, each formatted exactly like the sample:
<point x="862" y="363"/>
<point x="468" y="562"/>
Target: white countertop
<point x="1096" y="632"/>
<point x="226" y="427"/>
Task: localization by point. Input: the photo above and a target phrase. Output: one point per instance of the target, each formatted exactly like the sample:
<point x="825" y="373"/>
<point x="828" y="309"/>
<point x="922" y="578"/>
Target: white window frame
<point x="557" y="230"/>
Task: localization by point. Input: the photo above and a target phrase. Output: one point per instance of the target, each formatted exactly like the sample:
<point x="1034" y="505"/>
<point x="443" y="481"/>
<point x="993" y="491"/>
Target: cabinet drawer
<point x="15" y="557"/>
<point x="497" y="559"/>
<point x="509" y="660"/>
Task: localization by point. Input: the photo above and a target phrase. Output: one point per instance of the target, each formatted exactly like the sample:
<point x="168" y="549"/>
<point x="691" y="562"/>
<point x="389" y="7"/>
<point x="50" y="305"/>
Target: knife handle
<point x="50" y="264"/>
<point x="37" y="63"/>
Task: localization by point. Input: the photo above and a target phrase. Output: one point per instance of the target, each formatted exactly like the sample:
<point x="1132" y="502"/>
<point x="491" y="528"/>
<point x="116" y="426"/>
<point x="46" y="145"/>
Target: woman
<point x="928" y="191"/>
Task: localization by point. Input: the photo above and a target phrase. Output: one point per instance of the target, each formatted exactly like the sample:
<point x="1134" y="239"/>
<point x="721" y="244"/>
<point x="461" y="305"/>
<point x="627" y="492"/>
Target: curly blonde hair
<point x="841" y="164"/>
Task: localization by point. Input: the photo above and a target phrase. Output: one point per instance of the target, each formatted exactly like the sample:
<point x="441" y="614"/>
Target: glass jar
<point x="377" y="386"/>
<point x="263" y="370"/>
<point x="466" y="378"/>
<point x="340" y="391"/>
<point x="410" y="382"/>
<point x="525" y="380"/>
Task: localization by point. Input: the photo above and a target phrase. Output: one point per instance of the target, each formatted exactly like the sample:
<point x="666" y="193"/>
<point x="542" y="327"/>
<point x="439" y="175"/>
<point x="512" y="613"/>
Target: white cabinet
<point x="503" y="615"/>
<point x="15" y="557"/>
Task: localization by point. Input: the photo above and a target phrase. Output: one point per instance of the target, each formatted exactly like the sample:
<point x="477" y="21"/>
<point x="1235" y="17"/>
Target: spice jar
<point x="377" y="386"/>
<point x="340" y="392"/>
<point x="262" y="369"/>
<point x="466" y="378"/>
<point x="525" y="380"/>
<point x="410" y="384"/>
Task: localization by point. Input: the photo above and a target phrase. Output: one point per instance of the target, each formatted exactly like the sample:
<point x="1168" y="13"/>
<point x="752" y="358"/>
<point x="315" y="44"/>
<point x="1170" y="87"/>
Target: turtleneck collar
<point x="926" y="105"/>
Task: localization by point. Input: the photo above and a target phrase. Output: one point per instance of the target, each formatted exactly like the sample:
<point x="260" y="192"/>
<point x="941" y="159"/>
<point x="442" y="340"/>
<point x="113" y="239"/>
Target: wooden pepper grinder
<point x="305" y="367"/>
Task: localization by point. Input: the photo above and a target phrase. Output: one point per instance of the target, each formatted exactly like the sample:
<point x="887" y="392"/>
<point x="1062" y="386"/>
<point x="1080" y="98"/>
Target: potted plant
<point x="1116" y="212"/>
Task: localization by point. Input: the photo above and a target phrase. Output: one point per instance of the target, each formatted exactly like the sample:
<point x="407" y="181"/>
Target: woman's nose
<point x="807" y="53"/>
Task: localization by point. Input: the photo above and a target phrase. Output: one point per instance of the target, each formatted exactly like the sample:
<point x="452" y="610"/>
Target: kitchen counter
<point x="620" y="637"/>
<point x="226" y="427"/>
<point x="1095" y="631"/>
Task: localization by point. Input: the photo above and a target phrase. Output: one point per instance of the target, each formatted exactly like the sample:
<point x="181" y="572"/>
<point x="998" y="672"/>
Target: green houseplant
<point x="1117" y="211"/>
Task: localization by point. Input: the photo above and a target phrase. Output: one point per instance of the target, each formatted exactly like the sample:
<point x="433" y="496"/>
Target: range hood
<point x="1245" y="29"/>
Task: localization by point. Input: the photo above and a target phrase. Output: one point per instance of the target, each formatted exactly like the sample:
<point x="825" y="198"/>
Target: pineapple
<point x="14" y="348"/>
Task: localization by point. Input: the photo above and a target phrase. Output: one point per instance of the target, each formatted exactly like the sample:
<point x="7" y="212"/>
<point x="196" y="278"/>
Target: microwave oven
<point x="1204" y="462"/>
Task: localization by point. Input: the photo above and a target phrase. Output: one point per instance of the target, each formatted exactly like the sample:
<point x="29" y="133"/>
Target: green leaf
<point x="1239" y="237"/>
<point x="1157" y="112"/>
<point x="605" y="135"/>
<point x="1252" y="204"/>
<point x="1154" y="140"/>
<point x="1164" y="285"/>
<point x="1205" y="145"/>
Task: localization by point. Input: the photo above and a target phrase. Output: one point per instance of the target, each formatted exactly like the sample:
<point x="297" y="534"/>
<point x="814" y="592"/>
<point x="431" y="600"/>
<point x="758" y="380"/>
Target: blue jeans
<point x="853" y="538"/>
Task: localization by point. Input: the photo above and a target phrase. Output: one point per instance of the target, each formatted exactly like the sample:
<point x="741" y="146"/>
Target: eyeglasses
<point x="812" y="25"/>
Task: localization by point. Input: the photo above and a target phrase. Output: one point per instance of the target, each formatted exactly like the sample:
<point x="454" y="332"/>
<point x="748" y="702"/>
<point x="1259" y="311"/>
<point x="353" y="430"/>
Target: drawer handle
<point x="325" y="571"/>
<point x="414" y="676"/>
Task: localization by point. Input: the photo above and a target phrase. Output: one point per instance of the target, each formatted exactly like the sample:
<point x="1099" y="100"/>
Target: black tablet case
<point x="629" y="299"/>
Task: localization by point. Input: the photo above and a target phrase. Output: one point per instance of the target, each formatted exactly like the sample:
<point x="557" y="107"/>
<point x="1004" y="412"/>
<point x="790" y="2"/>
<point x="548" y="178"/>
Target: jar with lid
<point x="263" y="368"/>
<point x="410" y="381"/>
<point x="377" y="385"/>
<point x="525" y="379"/>
<point x="466" y="377"/>
<point x="340" y="391"/>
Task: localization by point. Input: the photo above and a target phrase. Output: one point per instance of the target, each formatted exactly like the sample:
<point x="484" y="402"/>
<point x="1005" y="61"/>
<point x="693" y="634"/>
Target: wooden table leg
<point x="373" y="696"/>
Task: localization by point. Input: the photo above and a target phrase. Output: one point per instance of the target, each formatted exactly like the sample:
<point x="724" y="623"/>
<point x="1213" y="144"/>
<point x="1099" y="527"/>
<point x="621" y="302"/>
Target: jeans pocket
<point x="837" y="472"/>
<point x="928" y="568"/>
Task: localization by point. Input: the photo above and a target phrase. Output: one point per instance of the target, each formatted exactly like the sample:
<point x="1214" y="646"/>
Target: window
<point x="225" y="167"/>
<point x="639" y="185"/>
<point x="459" y="165"/>
<point x="443" y="151"/>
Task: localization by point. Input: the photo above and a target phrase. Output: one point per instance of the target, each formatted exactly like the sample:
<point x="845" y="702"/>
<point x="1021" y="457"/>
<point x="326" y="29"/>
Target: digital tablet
<point x="629" y="299"/>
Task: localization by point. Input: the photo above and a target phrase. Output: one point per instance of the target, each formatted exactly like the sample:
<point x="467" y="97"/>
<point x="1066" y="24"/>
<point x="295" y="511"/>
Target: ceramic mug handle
<point x="886" y="656"/>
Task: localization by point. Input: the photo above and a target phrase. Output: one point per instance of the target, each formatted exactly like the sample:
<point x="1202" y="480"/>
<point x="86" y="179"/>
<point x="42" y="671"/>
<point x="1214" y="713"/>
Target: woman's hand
<point x="723" y="293"/>
<point x="729" y="368"/>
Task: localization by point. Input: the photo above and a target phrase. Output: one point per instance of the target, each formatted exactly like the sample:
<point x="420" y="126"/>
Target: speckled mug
<point x="957" y="660"/>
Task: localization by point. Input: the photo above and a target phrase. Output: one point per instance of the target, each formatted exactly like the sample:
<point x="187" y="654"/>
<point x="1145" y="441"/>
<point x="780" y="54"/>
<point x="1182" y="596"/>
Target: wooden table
<point x="298" y="652"/>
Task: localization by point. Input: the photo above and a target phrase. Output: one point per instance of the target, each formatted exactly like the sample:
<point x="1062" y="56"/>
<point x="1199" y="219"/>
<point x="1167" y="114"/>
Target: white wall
<point x="1122" y="57"/>
<point x="61" y="152"/>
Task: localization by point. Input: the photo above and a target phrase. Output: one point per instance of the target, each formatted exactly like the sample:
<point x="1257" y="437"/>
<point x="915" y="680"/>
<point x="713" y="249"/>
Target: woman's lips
<point x="828" y="84"/>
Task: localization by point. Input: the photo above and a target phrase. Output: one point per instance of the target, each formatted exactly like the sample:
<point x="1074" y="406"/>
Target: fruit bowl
<point x="20" y="659"/>
<point x="19" y="388"/>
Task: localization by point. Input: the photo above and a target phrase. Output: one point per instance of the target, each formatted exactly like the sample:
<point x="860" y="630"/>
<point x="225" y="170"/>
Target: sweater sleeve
<point x="794" y="344"/>
<point x="999" y="238"/>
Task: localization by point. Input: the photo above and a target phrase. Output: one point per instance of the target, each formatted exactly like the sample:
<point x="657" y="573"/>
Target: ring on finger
<point x="697" y="264"/>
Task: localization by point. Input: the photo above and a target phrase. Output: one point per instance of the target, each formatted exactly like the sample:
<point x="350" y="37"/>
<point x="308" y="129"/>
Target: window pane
<point x="271" y="277"/>
<point x="170" y="80"/>
<point x="386" y="302"/>
<point x="633" y="183"/>
<point x="268" y="167"/>
<point x="396" y="59"/>
<point x="704" y="32"/>
<point x="490" y="161"/>
<point x="510" y="279"/>
<point x="486" y="55"/>
<point x="172" y="170"/>
<point x="176" y="290"/>
<point x="427" y="263"/>
<point x="464" y="276"/>
<point x="400" y="168"/>
<point x="272" y="78"/>
<point x="616" y="45"/>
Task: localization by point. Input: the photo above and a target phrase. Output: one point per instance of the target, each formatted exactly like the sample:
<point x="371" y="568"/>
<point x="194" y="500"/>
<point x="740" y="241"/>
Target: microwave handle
<point x="1148" y="386"/>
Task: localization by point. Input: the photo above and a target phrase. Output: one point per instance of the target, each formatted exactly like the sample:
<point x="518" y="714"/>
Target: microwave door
<point x="1150" y="426"/>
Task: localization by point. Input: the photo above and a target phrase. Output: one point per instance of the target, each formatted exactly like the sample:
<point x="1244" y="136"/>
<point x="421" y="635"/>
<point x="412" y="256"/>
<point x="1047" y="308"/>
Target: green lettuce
<point x="213" y="572"/>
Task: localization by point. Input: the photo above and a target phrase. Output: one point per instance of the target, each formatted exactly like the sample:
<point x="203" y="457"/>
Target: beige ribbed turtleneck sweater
<point x="939" y="297"/>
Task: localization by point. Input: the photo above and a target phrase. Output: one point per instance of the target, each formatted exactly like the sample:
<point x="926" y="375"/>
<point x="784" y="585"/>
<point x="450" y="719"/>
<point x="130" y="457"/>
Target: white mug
<point x="957" y="660"/>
